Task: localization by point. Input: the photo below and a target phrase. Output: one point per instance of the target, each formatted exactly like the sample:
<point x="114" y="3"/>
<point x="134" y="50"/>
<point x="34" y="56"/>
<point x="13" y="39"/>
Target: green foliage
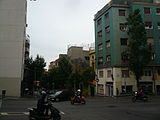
<point x="138" y="51"/>
<point x="88" y="75"/>
<point x="34" y="70"/>
<point x="60" y="75"/>
<point x="74" y="81"/>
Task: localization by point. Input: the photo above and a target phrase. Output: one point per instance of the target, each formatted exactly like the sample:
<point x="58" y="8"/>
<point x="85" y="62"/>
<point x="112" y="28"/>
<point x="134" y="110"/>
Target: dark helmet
<point x="43" y="94"/>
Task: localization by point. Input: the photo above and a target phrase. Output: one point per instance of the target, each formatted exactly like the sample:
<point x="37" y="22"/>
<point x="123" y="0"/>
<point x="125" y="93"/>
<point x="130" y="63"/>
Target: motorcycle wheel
<point x="57" y="117"/>
<point x="134" y="99"/>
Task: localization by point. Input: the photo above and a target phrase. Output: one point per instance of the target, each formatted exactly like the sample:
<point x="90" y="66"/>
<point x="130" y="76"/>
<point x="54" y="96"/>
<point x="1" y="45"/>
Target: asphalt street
<point x="97" y="108"/>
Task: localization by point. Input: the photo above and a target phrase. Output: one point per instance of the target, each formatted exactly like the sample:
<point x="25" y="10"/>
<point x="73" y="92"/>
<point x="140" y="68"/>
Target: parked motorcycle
<point x="141" y="97"/>
<point x="78" y="99"/>
<point x="53" y="114"/>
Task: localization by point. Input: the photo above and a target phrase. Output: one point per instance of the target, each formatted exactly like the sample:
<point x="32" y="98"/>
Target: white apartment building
<point x="12" y="42"/>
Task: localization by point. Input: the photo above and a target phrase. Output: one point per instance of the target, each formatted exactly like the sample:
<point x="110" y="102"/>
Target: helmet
<point x="43" y="93"/>
<point x="79" y="90"/>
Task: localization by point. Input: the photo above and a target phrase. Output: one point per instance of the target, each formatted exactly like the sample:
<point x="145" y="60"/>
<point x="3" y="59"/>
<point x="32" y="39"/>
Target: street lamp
<point x="125" y="82"/>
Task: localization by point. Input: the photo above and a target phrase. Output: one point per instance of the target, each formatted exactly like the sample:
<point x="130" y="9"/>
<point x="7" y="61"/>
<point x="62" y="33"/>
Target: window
<point x="147" y="73"/>
<point x="100" y="60"/>
<point x="100" y="74"/>
<point x="108" y="44"/>
<point x="124" y="41"/>
<point x="122" y="26"/>
<point x="106" y="16"/>
<point x="100" y="47"/>
<point x="86" y="57"/>
<point x="100" y="34"/>
<point x="153" y="56"/>
<point x="108" y="58"/>
<point x="122" y="12"/>
<point x="158" y="11"/>
<point x="125" y="57"/>
<point x="148" y="25"/>
<point x="107" y="29"/>
<point x="147" y="10"/>
<point x="99" y="21"/>
<point x="125" y="73"/>
<point x="109" y="73"/>
<point x="158" y="24"/>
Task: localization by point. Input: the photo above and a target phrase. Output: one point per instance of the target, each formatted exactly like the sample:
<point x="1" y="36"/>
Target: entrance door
<point x="109" y="90"/>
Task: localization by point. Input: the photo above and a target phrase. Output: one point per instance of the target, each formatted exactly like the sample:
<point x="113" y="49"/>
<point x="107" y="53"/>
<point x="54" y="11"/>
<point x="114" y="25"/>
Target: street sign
<point x="97" y="80"/>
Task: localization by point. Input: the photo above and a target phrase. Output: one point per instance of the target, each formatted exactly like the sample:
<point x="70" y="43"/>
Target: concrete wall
<point x="12" y="38"/>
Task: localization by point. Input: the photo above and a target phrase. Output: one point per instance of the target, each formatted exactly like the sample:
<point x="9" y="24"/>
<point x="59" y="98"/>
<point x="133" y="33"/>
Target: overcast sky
<point x="54" y="24"/>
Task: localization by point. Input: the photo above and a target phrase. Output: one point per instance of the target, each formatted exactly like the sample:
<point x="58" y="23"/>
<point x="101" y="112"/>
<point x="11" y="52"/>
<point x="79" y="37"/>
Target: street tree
<point x="88" y="75"/>
<point x="34" y="71"/>
<point x="59" y="76"/>
<point x="139" y="53"/>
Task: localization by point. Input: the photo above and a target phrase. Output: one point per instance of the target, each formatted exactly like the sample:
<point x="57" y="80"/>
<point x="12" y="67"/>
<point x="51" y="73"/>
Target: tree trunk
<point x="137" y="79"/>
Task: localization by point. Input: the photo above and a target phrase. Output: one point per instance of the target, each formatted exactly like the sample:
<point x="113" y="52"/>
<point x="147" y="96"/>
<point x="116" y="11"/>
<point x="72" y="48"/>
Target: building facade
<point x="12" y="45"/>
<point x="111" y="39"/>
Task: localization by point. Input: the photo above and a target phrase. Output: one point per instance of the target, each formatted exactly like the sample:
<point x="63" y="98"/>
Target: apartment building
<point x="111" y="39"/>
<point x="12" y="45"/>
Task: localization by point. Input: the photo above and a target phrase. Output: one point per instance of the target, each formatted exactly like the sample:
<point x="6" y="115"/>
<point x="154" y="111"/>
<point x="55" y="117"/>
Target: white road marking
<point x="26" y="113"/>
<point x="14" y="113"/>
<point x="62" y="113"/>
<point x="4" y="114"/>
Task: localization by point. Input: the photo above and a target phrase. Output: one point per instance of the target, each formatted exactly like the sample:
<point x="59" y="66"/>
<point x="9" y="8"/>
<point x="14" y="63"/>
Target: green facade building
<point x="111" y="40"/>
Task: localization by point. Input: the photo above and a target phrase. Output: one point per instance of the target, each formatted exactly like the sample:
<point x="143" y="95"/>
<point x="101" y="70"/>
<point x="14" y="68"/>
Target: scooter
<point x="53" y="114"/>
<point x="139" y="97"/>
<point x="78" y="99"/>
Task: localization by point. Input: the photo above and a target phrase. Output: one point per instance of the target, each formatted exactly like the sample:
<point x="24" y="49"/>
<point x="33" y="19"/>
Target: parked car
<point x="61" y="96"/>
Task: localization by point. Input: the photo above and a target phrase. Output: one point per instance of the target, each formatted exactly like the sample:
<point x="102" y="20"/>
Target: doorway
<point x="109" y="89"/>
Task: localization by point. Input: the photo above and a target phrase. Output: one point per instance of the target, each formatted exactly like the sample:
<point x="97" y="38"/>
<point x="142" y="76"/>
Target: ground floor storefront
<point x="117" y="81"/>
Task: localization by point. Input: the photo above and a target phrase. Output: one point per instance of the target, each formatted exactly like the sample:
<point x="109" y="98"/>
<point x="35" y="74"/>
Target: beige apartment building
<point x="12" y="45"/>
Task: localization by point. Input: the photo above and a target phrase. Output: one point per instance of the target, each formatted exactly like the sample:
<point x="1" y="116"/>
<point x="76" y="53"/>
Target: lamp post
<point x="125" y="82"/>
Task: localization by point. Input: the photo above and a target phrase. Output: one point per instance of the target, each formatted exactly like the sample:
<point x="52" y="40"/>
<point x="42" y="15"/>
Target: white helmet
<point x="79" y="90"/>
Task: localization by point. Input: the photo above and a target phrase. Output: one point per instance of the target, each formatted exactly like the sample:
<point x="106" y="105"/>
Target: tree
<point x="65" y="70"/>
<point x="60" y="75"/>
<point x="88" y="75"/>
<point x="138" y="51"/>
<point x="75" y="80"/>
<point x="34" y="70"/>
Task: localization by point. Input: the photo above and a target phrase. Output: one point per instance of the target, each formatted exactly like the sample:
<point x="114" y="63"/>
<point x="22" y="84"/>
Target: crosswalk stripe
<point x="13" y="113"/>
<point x="4" y="114"/>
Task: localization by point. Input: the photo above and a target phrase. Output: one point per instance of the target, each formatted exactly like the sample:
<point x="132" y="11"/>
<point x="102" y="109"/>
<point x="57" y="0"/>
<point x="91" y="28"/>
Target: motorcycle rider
<point x="42" y="105"/>
<point x="78" y="95"/>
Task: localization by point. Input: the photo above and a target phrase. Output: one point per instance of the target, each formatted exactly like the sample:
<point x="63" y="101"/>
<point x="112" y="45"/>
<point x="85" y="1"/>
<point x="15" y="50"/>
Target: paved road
<point x="97" y="108"/>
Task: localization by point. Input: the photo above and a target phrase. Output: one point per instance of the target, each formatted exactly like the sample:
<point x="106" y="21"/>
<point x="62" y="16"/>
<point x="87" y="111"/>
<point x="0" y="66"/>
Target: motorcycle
<point x="78" y="99"/>
<point x="53" y="114"/>
<point x="141" y="97"/>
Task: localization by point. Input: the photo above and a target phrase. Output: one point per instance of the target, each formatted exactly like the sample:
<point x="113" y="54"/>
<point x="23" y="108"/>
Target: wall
<point x="12" y="38"/>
